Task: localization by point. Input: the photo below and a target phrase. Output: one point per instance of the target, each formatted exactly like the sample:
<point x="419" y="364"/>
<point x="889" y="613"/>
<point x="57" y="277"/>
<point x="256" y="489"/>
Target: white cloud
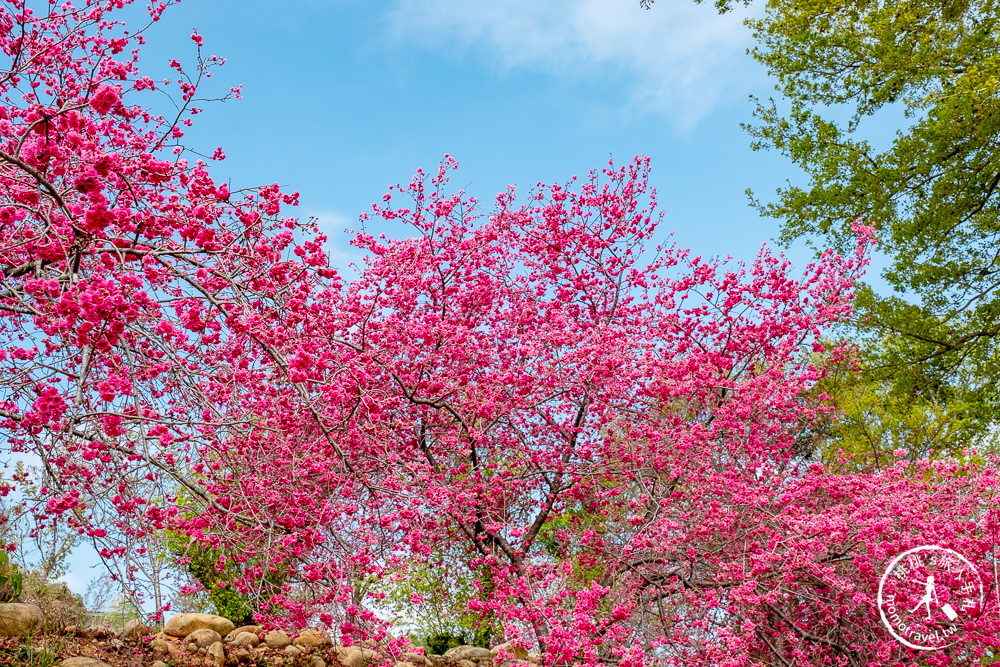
<point x="678" y="58"/>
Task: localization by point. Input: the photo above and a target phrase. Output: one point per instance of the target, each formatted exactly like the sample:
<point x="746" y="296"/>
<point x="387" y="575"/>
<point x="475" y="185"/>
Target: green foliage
<point x="37" y="657"/>
<point x="931" y="70"/>
<point x="930" y="343"/>
<point x="440" y="642"/>
<point x="875" y="418"/>
<point x="202" y="565"/>
<point x="432" y="599"/>
<point x="26" y="654"/>
<point x="722" y="5"/>
<point x="11" y="581"/>
<point x="554" y="539"/>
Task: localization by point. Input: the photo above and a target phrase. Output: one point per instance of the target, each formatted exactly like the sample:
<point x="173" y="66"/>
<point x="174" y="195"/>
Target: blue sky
<point x="343" y="98"/>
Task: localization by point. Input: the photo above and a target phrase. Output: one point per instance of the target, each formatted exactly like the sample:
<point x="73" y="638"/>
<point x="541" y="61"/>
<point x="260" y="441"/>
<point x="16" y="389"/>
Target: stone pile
<point x="218" y="641"/>
<point x="213" y="641"/>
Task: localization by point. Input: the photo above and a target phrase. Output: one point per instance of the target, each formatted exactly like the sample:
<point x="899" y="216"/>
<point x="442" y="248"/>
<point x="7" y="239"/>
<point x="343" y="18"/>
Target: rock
<point x="182" y="625"/>
<point x="246" y="639"/>
<point x="510" y="650"/>
<point x="159" y="663"/>
<point x="241" y="654"/>
<point x="162" y="642"/>
<point x="217" y="652"/>
<point x="204" y="637"/>
<point x="134" y="629"/>
<point x="417" y="659"/>
<point x="81" y="661"/>
<point x="174" y="649"/>
<point x="99" y="631"/>
<point x="292" y="651"/>
<point x="254" y="629"/>
<point x="352" y="656"/>
<point x="468" y="653"/>
<point x="534" y="658"/>
<point x="18" y="619"/>
<point x="310" y="638"/>
<point x="465" y="663"/>
<point x="278" y="639"/>
<point x="316" y="661"/>
<point x="404" y="664"/>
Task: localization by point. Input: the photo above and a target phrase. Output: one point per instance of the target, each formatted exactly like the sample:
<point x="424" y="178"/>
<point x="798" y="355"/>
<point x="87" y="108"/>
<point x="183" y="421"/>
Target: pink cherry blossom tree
<point x="124" y="267"/>
<point x="612" y="432"/>
<point x="609" y="430"/>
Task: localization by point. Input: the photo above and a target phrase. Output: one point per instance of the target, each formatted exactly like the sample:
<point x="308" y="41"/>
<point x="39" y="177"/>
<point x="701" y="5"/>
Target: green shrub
<point x="227" y="600"/>
<point x="30" y="656"/>
<point x="11" y="580"/>
<point x="440" y="642"/>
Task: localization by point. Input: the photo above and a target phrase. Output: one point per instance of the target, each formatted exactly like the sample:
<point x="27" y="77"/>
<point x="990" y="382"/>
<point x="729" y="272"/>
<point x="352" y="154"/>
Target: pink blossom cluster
<point x="609" y="429"/>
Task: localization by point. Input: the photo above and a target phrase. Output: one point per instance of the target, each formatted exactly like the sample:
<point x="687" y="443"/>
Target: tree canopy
<point x="929" y="70"/>
<point x="606" y="431"/>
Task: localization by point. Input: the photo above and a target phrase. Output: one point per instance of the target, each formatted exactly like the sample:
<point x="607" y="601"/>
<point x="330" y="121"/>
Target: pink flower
<point x="105" y="98"/>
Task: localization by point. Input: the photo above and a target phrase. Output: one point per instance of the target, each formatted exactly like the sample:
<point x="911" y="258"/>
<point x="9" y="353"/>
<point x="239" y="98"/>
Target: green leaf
<point x="892" y="113"/>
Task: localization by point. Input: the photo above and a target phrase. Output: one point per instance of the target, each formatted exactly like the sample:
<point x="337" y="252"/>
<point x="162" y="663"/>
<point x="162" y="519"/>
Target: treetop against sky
<point x="611" y="431"/>
<point x="518" y="92"/>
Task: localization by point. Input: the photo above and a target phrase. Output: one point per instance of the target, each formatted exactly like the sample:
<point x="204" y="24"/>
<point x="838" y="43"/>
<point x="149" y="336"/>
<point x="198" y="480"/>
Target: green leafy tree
<point x="203" y="565"/>
<point x="872" y="420"/>
<point x="929" y="69"/>
<point x="431" y="598"/>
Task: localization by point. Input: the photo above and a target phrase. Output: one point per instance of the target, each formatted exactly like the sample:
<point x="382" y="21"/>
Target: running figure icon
<point x="930" y="593"/>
